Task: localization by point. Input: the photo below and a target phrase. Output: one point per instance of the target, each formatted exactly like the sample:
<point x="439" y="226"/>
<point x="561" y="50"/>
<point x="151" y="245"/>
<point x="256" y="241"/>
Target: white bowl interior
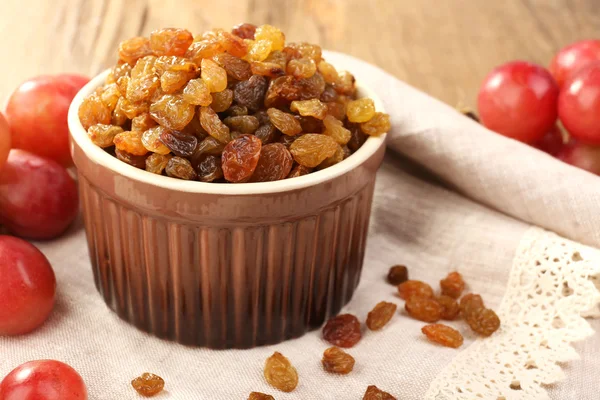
<point x="99" y="156"/>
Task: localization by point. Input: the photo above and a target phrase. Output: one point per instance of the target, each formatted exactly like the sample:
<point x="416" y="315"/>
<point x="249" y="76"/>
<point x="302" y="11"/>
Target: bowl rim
<point x="99" y="156"/>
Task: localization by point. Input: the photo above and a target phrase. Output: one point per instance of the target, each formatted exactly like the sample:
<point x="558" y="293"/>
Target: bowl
<point x="224" y="265"/>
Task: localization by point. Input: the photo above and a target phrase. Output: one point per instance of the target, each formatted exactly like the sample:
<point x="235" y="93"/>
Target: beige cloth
<point x="415" y="221"/>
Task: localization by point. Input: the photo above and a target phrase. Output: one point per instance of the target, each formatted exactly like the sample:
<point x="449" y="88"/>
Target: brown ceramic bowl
<point x="218" y="264"/>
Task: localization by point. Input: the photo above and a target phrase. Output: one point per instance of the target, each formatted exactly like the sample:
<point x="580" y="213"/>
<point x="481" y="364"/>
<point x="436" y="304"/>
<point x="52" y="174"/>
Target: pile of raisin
<point x="238" y="106"/>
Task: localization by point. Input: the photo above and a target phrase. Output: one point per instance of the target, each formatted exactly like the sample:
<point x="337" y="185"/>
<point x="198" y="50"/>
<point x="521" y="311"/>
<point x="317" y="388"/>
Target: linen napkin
<point x="474" y="211"/>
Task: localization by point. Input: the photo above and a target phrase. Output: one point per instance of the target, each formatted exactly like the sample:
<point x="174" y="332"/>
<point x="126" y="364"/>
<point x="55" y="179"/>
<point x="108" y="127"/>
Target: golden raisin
<point x="337" y="361"/>
<point x="280" y="373"/>
<point x="312" y="108"/>
<point x="130" y="142"/>
<point x="483" y="321"/>
<point x="285" y="122"/>
<point x="148" y="384"/>
<point x="151" y="140"/>
<point x="361" y="110"/>
<point x="221" y="101"/>
<point x="424" y="309"/>
<point x="335" y="129"/>
<point x="133" y="49"/>
<point x="328" y="71"/>
<point x="244" y="31"/>
<point x="93" y="111"/>
<point x="450" y="306"/>
<point x="213" y="75"/>
<point x="212" y="124"/>
<point x="258" y="50"/>
<point x="260" y="396"/>
<point x="337" y="157"/>
<point x="380" y="315"/>
<point x="170" y="41"/>
<point x="172" y="111"/>
<point x="271" y="34"/>
<point x="411" y="288"/>
<point x="342" y="330"/>
<point x="196" y="92"/>
<point x="103" y="135"/>
<point x="443" y="334"/>
<point x="397" y="274"/>
<point x="143" y="81"/>
<point x="179" y="167"/>
<point x="299" y="170"/>
<point x="378" y="125"/>
<point x="311" y="149"/>
<point x="374" y="393"/>
<point x="142" y="122"/>
<point x="453" y="285"/>
<point x="156" y="163"/>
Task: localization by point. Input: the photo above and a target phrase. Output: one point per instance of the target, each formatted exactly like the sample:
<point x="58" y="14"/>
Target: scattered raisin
<point x="280" y="373"/>
<point x="148" y="384"/>
<point x="397" y="274"/>
<point x="337" y="361"/>
<point x="424" y="309"/>
<point x="380" y="315"/>
<point x="312" y="149"/>
<point x="470" y="302"/>
<point x="374" y="393"/>
<point x="451" y="308"/>
<point x="443" y="334"/>
<point x="260" y="396"/>
<point x="411" y="288"/>
<point x="181" y="168"/>
<point x="453" y="285"/>
<point x="275" y="163"/>
<point x="483" y="321"/>
<point x="240" y="158"/>
<point x="342" y="330"/>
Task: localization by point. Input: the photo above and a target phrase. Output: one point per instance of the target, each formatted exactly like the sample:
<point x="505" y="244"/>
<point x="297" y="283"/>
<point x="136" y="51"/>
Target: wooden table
<point x="444" y="47"/>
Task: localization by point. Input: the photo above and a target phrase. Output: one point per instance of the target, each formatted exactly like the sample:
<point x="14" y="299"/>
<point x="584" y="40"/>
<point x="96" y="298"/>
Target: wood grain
<point x="444" y="47"/>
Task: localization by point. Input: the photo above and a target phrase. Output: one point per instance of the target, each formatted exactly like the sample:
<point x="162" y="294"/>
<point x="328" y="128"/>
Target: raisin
<point x="103" y="135"/>
<point x="328" y="71"/>
<point x="299" y="50"/>
<point x="260" y="396"/>
<point x="453" y="285"/>
<point x="361" y="110"/>
<point x="130" y="109"/>
<point x="251" y="93"/>
<point x="172" y="81"/>
<point x="179" y="167"/>
<point x="342" y="330"/>
<point x="235" y="67"/>
<point x="258" y="50"/>
<point x="203" y="49"/>
<point x="209" y="145"/>
<point x="148" y="384"/>
<point x="301" y="68"/>
<point x="93" y="111"/>
<point x="299" y="170"/>
<point x="196" y="92"/>
<point x="337" y="157"/>
<point x="221" y="101"/>
<point x="240" y="158"/>
<point x="345" y="84"/>
<point x="312" y="149"/>
<point x="424" y="309"/>
<point x="170" y="41"/>
<point x="443" y="334"/>
<point x="279" y="58"/>
<point x="285" y="122"/>
<point x="380" y="315"/>
<point x="232" y="44"/>
<point x="133" y="49"/>
<point x="451" y="308"/>
<point x="209" y="169"/>
<point x="211" y="122"/>
<point x="172" y="111"/>
<point x="312" y="108"/>
<point x="483" y="321"/>
<point x="414" y="288"/>
<point x="244" y="124"/>
<point x="378" y="125"/>
<point x="181" y="144"/>
<point x="143" y="80"/>
<point x="262" y="116"/>
<point x="272" y="70"/>
<point x="123" y="69"/>
<point x="275" y="163"/>
<point x="310" y="124"/>
<point x="156" y="163"/>
<point x="335" y="129"/>
<point x="357" y="137"/>
<point x="266" y="133"/>
<point x="337" y="361"/>
<point x="271" y="34"/>
<point x="174" y="64"/>
<point x="280" y="373"/>
<point x="110" y="96"/>
<point x="244" y="31"/>
<point x="133" y="160"/>
<point x="374" y="393"/>
<point x="152" y="142"/>
<point x="142" y="122"/>
<point x="130" y="142"/>
<point x="330" y="95"/>
<point x="397" y="274"/>
<point x="470" y="302"/>
<point x="213" y="75"/>
<point x="118" y="117"/>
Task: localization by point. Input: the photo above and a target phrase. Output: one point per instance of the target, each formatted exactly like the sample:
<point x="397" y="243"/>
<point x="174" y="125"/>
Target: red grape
<point x="43" y="380"/>
<point x="572" y="58"/>
<point x="37" y="115"/>
<point x="579" y="105"/>
<point x="552" y="142"/>
<point x="518" y="100"/>
<point x="27" y="287"/>
<point x="38" y="197"/>
<point x="4" y="140"/>
<point x="582" y="156"/>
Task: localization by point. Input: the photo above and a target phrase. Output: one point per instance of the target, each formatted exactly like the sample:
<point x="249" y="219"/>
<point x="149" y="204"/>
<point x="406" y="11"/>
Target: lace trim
<point x="552" y="284"/>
